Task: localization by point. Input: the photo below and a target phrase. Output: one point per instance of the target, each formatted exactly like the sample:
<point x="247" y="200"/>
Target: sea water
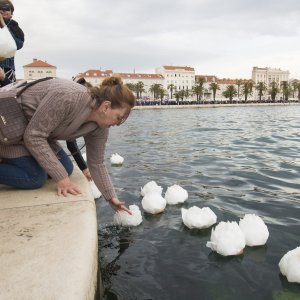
<point x="235" y="160"/>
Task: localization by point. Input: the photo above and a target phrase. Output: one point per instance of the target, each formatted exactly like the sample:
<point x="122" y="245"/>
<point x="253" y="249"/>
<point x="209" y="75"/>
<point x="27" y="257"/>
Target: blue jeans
<point x="25" y="173"/>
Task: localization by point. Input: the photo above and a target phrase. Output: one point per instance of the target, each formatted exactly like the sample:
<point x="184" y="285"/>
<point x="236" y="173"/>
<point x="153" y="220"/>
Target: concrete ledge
<point x="49" y="246"/>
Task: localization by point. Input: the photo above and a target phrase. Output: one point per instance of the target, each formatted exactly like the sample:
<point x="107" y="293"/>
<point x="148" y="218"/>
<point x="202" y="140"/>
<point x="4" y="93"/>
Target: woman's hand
<point x="87" y="174"/>
<point x="65" y="187"/>
<point x="116" y="204"/>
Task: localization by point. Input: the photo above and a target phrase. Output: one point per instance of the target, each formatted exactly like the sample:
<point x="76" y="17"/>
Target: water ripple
<point x="235" y="160"/>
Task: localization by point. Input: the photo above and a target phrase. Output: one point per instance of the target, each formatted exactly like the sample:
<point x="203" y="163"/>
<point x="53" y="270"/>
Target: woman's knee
<point x="35" y="182"/>
<point x="39" y="182"/>
<point x="22" y="172"/>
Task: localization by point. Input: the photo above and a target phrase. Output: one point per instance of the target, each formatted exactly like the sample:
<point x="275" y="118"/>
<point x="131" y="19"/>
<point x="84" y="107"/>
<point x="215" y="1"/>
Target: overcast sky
<point x="225" y="38"/>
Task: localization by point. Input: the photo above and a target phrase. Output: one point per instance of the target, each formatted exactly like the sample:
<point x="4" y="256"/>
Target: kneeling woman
<point x="59" y="109"/>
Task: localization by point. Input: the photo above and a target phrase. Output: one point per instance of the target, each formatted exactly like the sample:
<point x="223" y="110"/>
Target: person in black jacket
<point x="8" y="64"/>
<point x="75" y="151"/>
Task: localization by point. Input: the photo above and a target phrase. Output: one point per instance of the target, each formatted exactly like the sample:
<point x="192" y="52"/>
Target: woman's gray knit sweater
<point x="57" y="109"/>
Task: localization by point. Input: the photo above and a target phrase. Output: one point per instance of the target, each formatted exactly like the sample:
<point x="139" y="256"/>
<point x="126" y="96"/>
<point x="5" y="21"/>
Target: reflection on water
<point x="233" y="160"/>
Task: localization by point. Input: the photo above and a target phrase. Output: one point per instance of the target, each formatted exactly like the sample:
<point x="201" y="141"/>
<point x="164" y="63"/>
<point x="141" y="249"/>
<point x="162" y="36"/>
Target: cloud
<point x="225" y="38"/>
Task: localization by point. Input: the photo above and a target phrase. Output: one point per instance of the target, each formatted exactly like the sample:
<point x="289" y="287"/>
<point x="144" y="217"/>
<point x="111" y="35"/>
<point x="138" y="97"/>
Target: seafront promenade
<point x="49" y="244"/>
<point x="214" y="105"/>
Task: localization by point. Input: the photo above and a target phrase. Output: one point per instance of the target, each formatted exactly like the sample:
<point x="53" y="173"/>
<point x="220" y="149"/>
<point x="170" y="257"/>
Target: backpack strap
<point x="27" y="85"/>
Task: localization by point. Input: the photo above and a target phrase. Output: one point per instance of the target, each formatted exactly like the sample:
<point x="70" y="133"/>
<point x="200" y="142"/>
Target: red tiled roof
<point x="96" y="73"/>
<point x="246" y="80"/>
<point x="138" y="75"/>
<point x="39" y="63"/>
<point x="172" y="68"/>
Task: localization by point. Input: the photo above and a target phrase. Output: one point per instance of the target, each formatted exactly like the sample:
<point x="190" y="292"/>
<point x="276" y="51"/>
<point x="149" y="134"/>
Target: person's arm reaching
<point x="95" y="147"/>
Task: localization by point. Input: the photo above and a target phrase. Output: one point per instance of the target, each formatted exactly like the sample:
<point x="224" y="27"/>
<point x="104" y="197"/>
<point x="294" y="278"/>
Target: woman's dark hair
<point x="113" y="90"/>
<point x="9" y="3"/>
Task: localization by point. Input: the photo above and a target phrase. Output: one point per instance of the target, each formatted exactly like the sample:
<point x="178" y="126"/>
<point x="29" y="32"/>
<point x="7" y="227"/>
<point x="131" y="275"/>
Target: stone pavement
<point x="48" y="244"/>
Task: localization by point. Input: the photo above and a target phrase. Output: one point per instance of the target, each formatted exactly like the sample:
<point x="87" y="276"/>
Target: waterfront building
<point x="268" y="75"/>
<point x="147" y="79"/>
<point x="94" y="77"/>
<point x="183" y="77"/>
<point x="180" y="77"/>
<point x="223" y="84"/>
<point x="38" y="69"/>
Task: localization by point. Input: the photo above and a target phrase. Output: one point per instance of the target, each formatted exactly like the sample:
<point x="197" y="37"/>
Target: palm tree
<point x="230" y="92"/>
<point x="187" y="93"/>
<point x="131" y="86"/>
<point x="180" y="94"/>
<point x="286" y="90"/>
<point x="294" y="87"/>
<point x="191" y="92"/>
<point x="161" y="93"/>
<point x="261" y="87"/>
<point x="247" y="89"/>
<point x="251" y="86"/>
<point x="172" y="88"/>
<point x="298" y="89"/>
<point x="214" y="87"/>
<point x="273" y="90"/>
<point x="155" y="89"/>
<point x="198" y="88"/>
<point x="239" y="82"/>
<point x="177" y="96"/>
<point x="139" y="89"/>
